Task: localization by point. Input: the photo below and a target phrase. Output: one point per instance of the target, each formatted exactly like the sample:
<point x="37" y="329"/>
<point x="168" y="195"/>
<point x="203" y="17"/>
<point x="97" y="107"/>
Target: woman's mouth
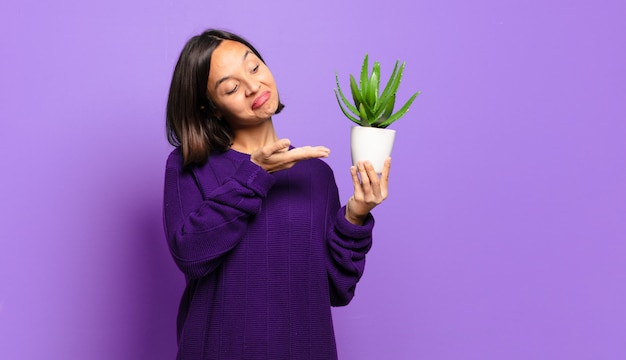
<point x="260" y="100"/>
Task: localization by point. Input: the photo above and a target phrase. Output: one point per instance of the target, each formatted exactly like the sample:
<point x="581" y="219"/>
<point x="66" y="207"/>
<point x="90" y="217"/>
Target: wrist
<point x="353" y="218"/>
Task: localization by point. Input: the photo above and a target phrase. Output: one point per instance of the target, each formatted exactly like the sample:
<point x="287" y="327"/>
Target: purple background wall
<point x="504" y="236"/>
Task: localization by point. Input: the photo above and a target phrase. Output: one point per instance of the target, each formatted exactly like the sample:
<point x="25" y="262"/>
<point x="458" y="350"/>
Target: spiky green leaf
<point x="356" y="94"/>
<point x="344" y="99"/>
<point x="368" y="112"/>
<point x="364" y="76"/>
<point x="375" y="83"/>
<point x="371" y="107"/>
<point x="389" y="109"/>
<point x="387" y="91"/>
<point x="400" y="112"/>
<point x="387" y="112"/>
<point x="372" y="95"/>
<point x="395" y="83"/>
<point x="390" y="90"/>
<point x="364" y="116"/>
<point x="345" y="112"/>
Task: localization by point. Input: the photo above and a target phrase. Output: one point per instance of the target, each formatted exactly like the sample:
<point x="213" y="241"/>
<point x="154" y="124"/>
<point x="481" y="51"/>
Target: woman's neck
<point x="247" y="140"/>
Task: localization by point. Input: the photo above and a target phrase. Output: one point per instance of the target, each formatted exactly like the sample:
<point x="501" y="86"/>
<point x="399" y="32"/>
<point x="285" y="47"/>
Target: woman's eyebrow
<point x="245" y="55"/>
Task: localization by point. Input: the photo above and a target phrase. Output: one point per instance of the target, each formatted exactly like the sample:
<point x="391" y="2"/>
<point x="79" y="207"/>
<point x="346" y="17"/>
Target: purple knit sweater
<point x="265" y="256"/>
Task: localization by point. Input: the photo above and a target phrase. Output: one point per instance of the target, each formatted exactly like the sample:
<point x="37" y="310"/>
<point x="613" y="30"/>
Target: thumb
<point x="273" y="148"/>
<point x="281" y="145"/>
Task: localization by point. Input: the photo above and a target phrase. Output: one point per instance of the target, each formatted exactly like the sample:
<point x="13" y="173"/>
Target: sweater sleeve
<point x="201" y="230"/>
<point x="348" y="244"/>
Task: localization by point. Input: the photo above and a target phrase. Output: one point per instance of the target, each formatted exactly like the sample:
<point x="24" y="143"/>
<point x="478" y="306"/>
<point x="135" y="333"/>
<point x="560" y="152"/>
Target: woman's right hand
<point x="277" y="156"/>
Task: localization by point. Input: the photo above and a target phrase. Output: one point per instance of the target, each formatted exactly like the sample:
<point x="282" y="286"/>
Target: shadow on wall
<point x="134" y="271"/>
<point x="156" y="284"/>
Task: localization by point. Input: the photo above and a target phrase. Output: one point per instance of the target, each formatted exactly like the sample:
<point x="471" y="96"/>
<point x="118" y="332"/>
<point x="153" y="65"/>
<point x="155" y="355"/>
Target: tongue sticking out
<point x="259" y="101"/>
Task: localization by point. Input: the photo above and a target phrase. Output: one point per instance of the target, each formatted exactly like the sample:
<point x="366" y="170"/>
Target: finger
<point x="318" y="151"/>
<point x="365" y="180"/>
<point x="384" y="178"/>
<point x="309" y="152"/>
<point x="275" y="147"/>
<point x="356" y="182"/>
<point x="289" y="158"/>
<point x="373" y="179"/>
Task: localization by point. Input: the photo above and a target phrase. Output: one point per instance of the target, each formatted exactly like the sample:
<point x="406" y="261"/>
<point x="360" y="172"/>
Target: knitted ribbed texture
<point x="265" y="257"/>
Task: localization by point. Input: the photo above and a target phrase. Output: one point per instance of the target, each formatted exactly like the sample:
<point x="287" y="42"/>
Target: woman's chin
<point x="269" y="110"/>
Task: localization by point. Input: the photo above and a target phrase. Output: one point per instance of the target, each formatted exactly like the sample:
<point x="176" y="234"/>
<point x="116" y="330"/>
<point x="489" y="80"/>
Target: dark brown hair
<point x="190" y="121"/>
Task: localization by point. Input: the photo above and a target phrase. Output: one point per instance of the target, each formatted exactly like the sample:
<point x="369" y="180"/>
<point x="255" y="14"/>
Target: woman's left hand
<point x="369" y="190"/>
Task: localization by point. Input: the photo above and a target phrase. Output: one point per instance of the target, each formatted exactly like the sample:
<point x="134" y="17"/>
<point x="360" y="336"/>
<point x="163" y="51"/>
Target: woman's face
<point x="241" y="85"/>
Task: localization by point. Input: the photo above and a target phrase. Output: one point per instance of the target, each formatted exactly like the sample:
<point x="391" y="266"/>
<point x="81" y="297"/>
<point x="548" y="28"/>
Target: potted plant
<point x="372" y="111"/>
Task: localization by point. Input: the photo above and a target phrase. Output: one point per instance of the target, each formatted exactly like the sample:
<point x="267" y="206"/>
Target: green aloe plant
<point x="370" y="107"/>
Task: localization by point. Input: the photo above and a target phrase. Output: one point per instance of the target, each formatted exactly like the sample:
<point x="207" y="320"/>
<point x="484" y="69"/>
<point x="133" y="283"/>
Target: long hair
<point x="191" y="122"/>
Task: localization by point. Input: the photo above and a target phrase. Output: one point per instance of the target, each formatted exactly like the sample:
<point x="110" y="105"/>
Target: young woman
<point x="254" y="223"/>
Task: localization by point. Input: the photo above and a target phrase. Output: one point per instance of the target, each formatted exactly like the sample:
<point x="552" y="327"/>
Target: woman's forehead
<point x="230" y="52"/>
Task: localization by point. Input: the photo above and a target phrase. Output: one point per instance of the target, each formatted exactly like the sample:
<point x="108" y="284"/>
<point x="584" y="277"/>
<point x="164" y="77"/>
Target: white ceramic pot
<point x="373" y="144"/>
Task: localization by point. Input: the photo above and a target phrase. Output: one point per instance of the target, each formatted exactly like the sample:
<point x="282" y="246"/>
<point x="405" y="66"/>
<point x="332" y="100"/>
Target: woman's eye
<point x="233" y="90"/>
<point x="255" y="69"/>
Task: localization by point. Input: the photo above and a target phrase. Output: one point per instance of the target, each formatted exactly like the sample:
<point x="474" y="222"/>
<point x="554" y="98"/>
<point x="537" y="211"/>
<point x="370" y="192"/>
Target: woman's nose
<point x="252" y="87"/>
